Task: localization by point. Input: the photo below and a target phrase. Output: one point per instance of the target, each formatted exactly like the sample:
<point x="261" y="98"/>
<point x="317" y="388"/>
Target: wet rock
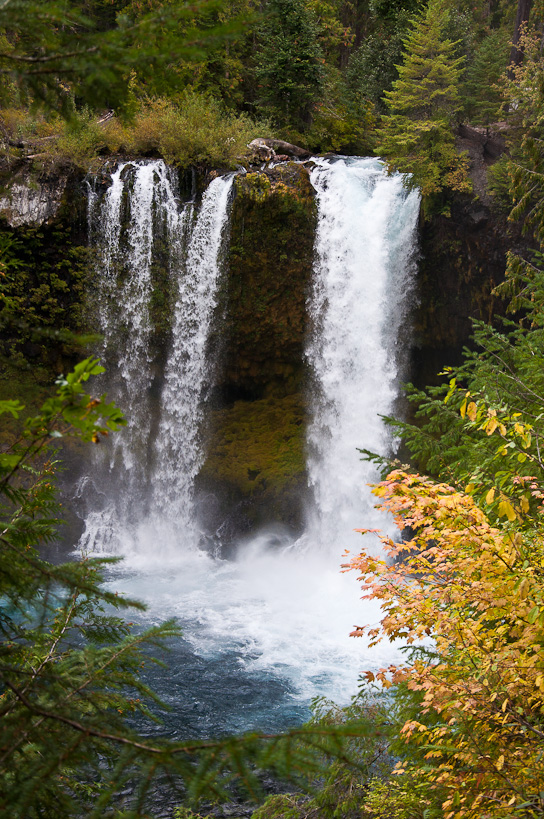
<point x="32" y="201"/>
<point x="462" y="260"/>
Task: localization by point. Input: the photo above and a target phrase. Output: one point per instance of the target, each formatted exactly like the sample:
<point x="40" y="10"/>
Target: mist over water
<point x="267" y="629"/>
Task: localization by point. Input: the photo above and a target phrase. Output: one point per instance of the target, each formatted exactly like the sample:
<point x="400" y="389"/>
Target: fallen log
<point x="267" y="148"/>
<point x="282" y="147"/>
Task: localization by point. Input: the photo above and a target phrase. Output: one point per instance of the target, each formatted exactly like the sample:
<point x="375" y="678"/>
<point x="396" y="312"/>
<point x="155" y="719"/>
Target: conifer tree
<point x="416" y="137"/>
<point x="290" y="63"/>
<point x="484" y="97"/>
<point x="51" y="51"/>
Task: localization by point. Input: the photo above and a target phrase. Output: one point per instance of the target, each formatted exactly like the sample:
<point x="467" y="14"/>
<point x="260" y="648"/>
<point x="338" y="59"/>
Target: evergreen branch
<point x="67" y="55"/>
<point x="187" y="747"/>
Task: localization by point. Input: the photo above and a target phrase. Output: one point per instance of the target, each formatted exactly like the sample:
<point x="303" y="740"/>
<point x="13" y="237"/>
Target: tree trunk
<point x="522" y="17"/>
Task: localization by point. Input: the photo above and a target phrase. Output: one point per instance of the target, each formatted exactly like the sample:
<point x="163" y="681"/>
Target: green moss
<point x="271" y="254"/>
<point x="256" y="185"/>
<point x="255" y="463"/>
<point x="44" y="274"/>
<point x="163" y="294"/>
<point x="258" y="446"/>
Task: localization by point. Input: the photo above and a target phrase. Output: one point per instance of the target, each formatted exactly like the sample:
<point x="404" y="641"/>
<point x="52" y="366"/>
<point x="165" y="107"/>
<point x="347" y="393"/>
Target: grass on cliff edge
<point x="194" y="129"/>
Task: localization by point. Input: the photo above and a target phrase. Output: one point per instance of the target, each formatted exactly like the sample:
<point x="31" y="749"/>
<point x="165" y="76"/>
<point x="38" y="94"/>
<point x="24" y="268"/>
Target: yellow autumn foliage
<point x="478" y="592"/>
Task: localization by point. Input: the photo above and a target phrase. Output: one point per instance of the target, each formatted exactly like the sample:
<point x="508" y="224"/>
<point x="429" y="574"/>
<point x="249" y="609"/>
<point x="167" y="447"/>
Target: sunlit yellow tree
<point x="477" y="590"/>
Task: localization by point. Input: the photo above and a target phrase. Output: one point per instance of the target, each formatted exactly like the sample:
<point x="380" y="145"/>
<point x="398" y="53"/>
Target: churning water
<point x="267" y="629"/>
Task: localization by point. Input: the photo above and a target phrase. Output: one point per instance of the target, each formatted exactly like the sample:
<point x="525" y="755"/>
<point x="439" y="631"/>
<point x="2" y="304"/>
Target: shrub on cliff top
<point x="195" y="130"/>
<point x="192" y="130"/>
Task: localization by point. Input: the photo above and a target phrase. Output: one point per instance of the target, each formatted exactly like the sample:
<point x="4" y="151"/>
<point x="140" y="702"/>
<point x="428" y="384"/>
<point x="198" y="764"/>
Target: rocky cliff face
<point x="270" y="262"/>
<point x="32" y="199"/>
<point x="255" y="461"/>
<point x="462" y="259"/>
<point x="44" y="275"/>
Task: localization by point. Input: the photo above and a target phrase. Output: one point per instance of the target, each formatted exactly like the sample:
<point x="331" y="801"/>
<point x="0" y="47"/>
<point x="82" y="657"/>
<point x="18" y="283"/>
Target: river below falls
<point x="264" y="633"/>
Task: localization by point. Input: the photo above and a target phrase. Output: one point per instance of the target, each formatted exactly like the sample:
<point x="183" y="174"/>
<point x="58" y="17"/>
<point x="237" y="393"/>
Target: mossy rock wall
<point x="255" y="464"/>
<point x="270" y="262"/>
<point x="43" y="244"/>
<point x="255" y="469"/>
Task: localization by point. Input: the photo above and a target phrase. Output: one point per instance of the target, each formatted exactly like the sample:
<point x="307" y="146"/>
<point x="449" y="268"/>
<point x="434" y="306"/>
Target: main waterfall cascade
<point x="267" y="629"/>
<point x="363" y="277"/>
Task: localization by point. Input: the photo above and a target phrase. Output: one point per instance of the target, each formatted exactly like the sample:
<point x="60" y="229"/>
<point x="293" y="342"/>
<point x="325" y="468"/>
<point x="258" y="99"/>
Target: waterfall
<point x="266" y="630"/>
<point x="143" y="482"/>
<point x="364" y="270"/>
<point x="178" y="449"/>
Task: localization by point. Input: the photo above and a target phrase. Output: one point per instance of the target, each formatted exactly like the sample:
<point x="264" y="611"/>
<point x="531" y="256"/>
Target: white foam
<point x="284" y="613"/>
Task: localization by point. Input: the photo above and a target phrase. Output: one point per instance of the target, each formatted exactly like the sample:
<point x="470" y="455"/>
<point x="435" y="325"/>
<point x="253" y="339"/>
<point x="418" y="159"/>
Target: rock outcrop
<point x="256" y="438"/>
<point x="32" y="199"/>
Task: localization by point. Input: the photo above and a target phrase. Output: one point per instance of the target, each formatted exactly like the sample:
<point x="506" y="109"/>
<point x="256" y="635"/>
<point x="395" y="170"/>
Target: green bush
<point x="341" y="792"/>
<point x="398" y="797"/>
<point x="196" y="130"/>
<point x="499" y="181"/>
<point x="79" y="141"/>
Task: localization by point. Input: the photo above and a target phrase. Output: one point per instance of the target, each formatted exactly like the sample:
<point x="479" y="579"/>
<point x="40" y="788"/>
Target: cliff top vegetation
<point x="328" y="75"/>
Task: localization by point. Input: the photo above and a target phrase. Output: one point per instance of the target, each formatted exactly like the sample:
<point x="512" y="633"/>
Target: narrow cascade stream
<point x="267" y="629"/>
<point x="178" y="448"/>
<point x="138" y="207"/>
<point x="145" y="481"/>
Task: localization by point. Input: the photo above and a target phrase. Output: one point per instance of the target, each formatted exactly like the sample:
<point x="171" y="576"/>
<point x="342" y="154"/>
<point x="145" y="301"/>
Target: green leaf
<point x="12" y="407"/>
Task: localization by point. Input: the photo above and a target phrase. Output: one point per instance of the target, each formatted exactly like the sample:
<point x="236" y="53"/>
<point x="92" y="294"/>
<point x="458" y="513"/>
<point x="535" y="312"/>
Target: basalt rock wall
<point x="462" y="260"/>
<point x="45" y="269"/>
<point x="255" y="464"/>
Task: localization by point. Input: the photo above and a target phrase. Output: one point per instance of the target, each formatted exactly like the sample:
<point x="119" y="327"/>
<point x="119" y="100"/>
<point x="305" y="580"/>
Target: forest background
<point x="463" y="732"/>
